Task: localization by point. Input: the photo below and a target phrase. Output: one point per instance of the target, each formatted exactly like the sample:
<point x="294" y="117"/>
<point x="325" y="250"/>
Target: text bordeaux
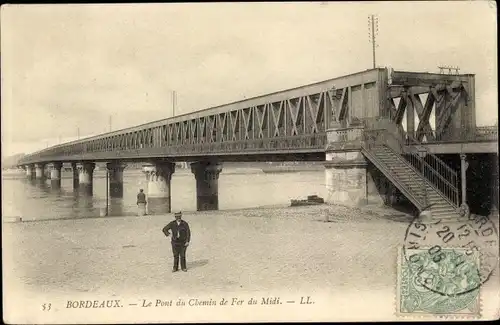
<point x="94" y="304"/>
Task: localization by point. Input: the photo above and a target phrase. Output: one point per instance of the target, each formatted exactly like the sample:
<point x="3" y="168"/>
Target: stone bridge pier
<point x="76" y="180"/>
<point x="159" y="176"/>
<point x="39" y="172"/>
<point x="55" y="174"/>
<point x="115" y="170"/>
<point x="30" y="171"/>
<point x="85" y="177"/>
<point x="351" y="179"/>
<point x="207" y="184"/>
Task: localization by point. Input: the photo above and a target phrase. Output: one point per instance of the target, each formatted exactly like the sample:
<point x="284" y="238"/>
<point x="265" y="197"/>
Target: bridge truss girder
<point x="295" y="121"/>
<point x="450" y="98"/>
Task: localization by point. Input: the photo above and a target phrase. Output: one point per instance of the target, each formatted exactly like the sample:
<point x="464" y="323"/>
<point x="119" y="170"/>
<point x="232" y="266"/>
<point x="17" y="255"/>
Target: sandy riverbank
<point x="272" y="250"/>
<point x="103" y="254"/>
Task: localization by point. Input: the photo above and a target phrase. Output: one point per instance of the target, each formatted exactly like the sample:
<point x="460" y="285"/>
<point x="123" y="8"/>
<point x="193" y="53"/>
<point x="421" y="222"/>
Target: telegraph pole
<point x="372" y="34"/>
<point x="78" y="133"/>
<point x="173" y="102"/>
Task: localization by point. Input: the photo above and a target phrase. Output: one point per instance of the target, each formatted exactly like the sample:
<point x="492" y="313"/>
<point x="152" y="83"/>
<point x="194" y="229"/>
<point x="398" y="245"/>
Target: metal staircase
<point x="421" y="176"/>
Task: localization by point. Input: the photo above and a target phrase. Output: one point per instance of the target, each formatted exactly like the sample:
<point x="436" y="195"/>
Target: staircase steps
<point x="401" y="173"/>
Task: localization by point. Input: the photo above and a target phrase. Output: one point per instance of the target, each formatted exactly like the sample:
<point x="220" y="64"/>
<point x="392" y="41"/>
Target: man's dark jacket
<point x="182" y="229"/>
<point x="141" y="198"/>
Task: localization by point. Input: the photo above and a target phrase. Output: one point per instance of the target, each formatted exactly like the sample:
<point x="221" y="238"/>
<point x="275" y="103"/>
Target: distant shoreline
<point x="100" y="173"/>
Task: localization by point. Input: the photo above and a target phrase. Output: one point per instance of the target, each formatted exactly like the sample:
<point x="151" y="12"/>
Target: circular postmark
<point x="451" y="258"/>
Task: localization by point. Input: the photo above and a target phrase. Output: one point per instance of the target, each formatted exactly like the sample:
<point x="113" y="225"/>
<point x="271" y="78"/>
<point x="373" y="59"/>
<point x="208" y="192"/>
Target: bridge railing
<point x="309" y="141"/>
<point x="306" y="142"/>
<point x="487" y="132"/>
<point x="482" y="133"/>
<point x="345" y="134"/>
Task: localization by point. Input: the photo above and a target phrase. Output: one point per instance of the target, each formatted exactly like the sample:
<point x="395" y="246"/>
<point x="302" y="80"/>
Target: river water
<point x="238" y="188"/>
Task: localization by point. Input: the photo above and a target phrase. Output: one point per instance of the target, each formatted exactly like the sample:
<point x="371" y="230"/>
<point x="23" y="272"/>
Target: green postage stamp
<point x="442" y="282"/>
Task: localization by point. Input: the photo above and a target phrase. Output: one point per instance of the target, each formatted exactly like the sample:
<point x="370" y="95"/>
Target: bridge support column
<point x="30" y="171"/>
<point x="116" y="179"/>
<point x="464" y="207"/>
<point x="159" y="175"/>
<point x="85" y="177"/>
<point x="55" y="174"/>
<point x="39" y="171"/>
<point x="207" y="184"/>
<point x="345" y="178"/>
<point x="76" y="173"/>
<point x="352" y="181"/>
<point x="463" y="173"/>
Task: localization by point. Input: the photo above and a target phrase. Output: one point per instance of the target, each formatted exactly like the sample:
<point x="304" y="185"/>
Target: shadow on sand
<point x="198" y="263"/>
<point x="400" y="212"/>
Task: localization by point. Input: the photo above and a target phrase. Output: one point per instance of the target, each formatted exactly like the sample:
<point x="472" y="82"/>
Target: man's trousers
<point x="179" y="250"/>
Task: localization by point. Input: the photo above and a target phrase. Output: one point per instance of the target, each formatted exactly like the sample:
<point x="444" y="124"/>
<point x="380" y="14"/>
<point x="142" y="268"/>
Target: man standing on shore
<point x="141" y="202"/>
<point x="181" y="235"/>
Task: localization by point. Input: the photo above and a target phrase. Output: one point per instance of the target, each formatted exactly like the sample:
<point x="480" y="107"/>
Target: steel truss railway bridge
<point x="382" y="134"/>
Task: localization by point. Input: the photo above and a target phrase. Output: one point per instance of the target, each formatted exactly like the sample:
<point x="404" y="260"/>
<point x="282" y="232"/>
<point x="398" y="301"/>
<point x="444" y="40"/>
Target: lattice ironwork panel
<point x="432" y="107"/>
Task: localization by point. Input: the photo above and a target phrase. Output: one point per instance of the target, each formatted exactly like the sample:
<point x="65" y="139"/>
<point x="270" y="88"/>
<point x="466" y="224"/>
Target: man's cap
<point x="178" y="214"/>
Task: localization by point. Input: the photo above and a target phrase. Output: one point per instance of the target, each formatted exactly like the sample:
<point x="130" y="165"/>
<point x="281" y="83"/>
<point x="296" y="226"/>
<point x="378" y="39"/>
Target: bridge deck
<point x="463" y="147"/>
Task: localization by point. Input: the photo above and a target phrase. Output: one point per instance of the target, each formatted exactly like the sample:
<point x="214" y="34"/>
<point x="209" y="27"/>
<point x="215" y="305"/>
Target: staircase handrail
<point x="414" y="142"/>
<point x="447" y="187"/>
<point x="441" y="176"/>
<point x="436" y="172"/>
<point x="418" y="198"/>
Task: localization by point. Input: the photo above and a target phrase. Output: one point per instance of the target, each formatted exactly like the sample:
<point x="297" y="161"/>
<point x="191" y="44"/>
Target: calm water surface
<point x="32" y="201"/>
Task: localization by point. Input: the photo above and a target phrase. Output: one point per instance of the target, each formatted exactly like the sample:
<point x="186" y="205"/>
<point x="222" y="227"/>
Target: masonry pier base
<point x="352" y="180"/>
<point x="159" y="176"/>
<point x="55" y="175"/>
<point x="39" y="172"/>
<point x="207" y="181"/>
<point x="76" y="175"/>
<point x="115" y="170"/>
<point x="85" y="177"/>
<point x="30" y="172"/>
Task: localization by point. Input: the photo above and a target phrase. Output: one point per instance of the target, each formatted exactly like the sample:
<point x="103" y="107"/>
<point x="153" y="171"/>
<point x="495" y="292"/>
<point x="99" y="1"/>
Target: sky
<point x="69" y="69"/>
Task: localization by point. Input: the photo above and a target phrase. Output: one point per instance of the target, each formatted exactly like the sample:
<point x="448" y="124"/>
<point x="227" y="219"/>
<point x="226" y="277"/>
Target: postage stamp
<point x="442" y="266"/>
<point x="443" y="284"/>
